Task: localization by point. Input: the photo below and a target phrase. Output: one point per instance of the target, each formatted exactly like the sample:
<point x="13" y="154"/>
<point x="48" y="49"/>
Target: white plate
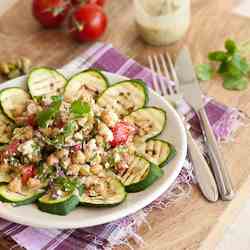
<point x="85" y="217"/>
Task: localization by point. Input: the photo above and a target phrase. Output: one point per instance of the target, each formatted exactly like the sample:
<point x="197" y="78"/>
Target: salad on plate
<point x="78" y="141"/>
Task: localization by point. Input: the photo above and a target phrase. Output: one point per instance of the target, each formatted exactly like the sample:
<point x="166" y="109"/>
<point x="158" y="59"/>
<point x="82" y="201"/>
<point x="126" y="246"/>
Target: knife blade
<point x="192" y="93"/>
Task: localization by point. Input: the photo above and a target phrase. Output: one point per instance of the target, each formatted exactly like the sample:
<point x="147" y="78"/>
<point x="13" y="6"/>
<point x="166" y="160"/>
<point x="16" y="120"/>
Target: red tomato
<point x="98" y="2"/>
<point x="51" y="13"/>
<point x="27" y="172"/>
<point x="77" y="147"/>
<point x="31" y="121"/>
<point x="59" y="123"/>
<point x="88" y="23"/>
<point x="12" y="147"/>
<point x="121" y="133"/>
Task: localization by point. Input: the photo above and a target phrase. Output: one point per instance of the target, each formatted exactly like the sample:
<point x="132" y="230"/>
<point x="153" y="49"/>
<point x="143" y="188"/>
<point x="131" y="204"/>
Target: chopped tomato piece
<point x="122" y="131"/>
<point x="31" y="121"/>
<point x="12" y="148"/>
<point x="28" y="172"/>
<point x="77" y="147"/>
<point x="60" y="123"/>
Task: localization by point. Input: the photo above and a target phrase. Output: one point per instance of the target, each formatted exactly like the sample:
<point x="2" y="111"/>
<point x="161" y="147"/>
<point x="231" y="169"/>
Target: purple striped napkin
<point x="223" y="119"/>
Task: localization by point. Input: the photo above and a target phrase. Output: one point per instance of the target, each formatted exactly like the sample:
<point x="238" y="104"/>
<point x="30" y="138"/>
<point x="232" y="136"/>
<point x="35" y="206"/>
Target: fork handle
<point x="217" y="162"/>
<point x="202" y="171"/>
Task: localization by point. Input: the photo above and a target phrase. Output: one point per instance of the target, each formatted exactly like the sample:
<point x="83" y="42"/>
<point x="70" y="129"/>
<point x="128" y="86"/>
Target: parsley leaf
<point x="66" y="184"/>
<point x="48" y="114"/>
<point x="79" y="108"/>
<point x="234" y="83"/>
<point x="232" y="67"/>
<point x="230" y="46"/>
<point x="204" y="72"/>
<point x="218" y="56"/>
<point x="69" y="128"/>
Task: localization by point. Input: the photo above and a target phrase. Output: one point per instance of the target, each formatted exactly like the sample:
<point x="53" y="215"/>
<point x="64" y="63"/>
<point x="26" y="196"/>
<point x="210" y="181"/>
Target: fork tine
<point x="155" y="83"/>
<point x="173" y="73"/>
<point x="165" y="69"/>
<point x="159" y="72"/>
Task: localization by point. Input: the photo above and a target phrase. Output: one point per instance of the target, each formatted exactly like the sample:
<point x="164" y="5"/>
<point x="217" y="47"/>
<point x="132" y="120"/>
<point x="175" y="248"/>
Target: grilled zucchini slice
<point x="116" y="195"/>
<point x="14" y="101"/>
<point x="157" y="151"/>
<point x="27" y="197"/>
<point x="150" y="122"/>
<point x="45" y="81"/>
<point x="61" y="206"/>
<point x="4" y="177"/>
<point x="124" y="97"/>
<point x="139" y="175"/>
<point x="91" y="81"/>
<point x="6" y="127"/>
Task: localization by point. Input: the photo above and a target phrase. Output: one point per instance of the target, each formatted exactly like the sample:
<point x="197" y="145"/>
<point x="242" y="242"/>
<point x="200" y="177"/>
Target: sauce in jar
<point x="161" y="22"/>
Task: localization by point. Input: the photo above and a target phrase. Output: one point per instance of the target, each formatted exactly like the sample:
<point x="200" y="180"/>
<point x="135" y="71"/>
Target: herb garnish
<point x="204" y="72"/>
<point x="80" y="109"/>
<point x="66" y="184"/>
<point x="232" y="67"/>
<point x="69" y="129"/>
<point x="48" y="114"/>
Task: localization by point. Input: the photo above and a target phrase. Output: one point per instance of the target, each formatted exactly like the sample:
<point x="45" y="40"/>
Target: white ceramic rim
<point x="120" y="213"/>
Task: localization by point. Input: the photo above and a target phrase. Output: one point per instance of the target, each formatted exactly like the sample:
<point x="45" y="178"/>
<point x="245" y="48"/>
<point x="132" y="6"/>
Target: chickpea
<point x="66" y="162"/>
<point x="46" y="131"/>
<point x="15" y="185"/>
<point x="97" y="169"/>
<point x="101" y="188"/>
<point x="55" y="131"/>
<point x="79" y="157"/>
<point x="131" y="148"/>
<point x="62" y="153"/>
<point x="99" y="140"/>
<point x="91" y="180"/>
<point x="52" y="160"/>
<point x="28" y="134"/>
<point x="109" y="118"/>
<point x="34" y="183"/>
<point x="84" y="170"/>
<point x="18" y="110"/>
<point x="105" y="131"/>
<point x="82" y="121"/>
<point x="4" y="167"/>
<point x="73" y="169"/>
<point x="7" y="129"/>
<point x="97" y="160"/>
<point x="32" y="108"/>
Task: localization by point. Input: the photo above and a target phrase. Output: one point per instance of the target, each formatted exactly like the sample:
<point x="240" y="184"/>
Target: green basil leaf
<point x="79" y="108"/>
<point x="204" y="72"/>
<point x="219" y="56"/>
<point x="234" y="83"/>
<point x="230" y="46"/>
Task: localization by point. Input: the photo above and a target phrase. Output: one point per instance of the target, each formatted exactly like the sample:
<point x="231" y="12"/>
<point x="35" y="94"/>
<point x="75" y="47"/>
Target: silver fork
<point x="163" y="65"/>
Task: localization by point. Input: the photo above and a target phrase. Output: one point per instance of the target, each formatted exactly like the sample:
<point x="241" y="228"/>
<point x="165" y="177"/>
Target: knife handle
<point x="202" y="171"/>
<point x="217" y="163"/>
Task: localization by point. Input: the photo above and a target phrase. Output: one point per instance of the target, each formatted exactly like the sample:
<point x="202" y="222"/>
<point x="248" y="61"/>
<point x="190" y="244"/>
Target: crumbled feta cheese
<point x="29" y="147"/>
<point x="117" y="157"/>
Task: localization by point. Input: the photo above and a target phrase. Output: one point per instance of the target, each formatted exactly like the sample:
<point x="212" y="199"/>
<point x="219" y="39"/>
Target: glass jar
<point x="161" y="22"/>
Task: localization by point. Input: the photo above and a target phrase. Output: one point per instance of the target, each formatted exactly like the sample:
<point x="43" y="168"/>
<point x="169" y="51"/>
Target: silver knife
<point x="193" y="95"/>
